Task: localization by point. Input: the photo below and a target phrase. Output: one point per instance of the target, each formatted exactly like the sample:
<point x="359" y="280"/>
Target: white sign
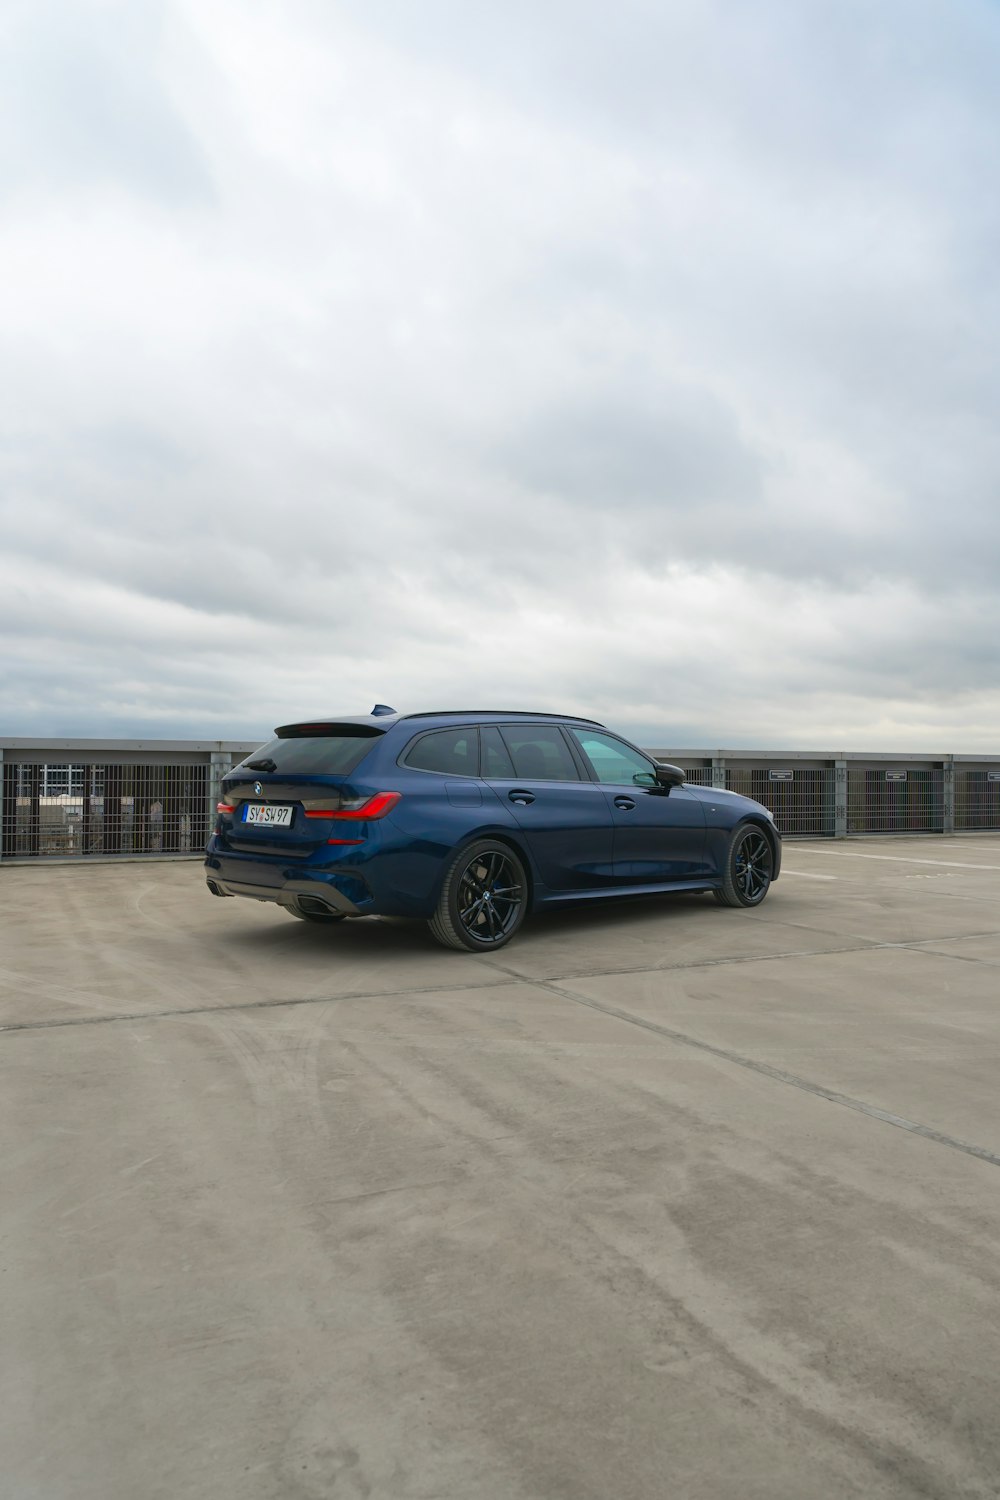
<point x="993" y="775"/>
<point x="781" y="775"/>
<point x="895" y="775"/>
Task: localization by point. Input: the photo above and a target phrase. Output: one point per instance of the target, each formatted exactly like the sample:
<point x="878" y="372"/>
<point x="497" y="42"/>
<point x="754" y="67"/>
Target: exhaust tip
<point x="315" y="907"/>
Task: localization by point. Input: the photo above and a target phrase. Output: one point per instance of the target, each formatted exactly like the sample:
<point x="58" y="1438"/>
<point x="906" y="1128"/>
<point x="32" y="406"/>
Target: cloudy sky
<point x="636" y="359"/>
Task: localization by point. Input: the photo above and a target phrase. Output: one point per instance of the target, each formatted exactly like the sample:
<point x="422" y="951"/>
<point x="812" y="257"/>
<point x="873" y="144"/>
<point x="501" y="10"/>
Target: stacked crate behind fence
<point x="104" y="809"/>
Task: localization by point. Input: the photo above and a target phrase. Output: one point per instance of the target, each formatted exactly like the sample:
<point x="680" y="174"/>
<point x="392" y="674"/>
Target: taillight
<point x="225" y="807"/>
<point x="375" y="806"/>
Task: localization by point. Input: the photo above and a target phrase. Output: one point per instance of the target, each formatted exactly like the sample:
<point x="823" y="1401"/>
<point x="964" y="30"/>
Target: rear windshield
<point x="304" y="753"/>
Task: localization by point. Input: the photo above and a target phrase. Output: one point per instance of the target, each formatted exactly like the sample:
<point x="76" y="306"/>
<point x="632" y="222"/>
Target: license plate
<point x="267" y="813"/>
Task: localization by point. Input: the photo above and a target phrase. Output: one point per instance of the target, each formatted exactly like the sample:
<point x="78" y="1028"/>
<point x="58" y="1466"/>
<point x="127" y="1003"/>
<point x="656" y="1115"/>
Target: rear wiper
<point x="264" y="764"/>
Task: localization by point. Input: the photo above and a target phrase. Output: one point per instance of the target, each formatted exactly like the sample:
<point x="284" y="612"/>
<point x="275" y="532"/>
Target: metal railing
<point x="843" y="794"/>
<point x="977" y="798"/>
<point x="118" y="798"/>
<point x="134" y="798"/>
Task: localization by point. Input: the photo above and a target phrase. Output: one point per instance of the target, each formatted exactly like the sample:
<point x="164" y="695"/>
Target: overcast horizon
<point x="634" y="361"/>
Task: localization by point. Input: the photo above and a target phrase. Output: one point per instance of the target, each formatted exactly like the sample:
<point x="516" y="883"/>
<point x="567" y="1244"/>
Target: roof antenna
<point x="381" y="709"/>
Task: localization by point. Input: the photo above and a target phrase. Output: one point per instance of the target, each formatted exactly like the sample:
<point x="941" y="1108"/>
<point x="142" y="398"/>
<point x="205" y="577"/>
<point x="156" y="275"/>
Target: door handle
<point x="523" y="798"/>
<point x="625" y="803"/>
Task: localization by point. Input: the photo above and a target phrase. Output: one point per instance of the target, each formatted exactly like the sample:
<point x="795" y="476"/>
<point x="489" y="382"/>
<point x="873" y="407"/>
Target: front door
<point x="659" y="833"/>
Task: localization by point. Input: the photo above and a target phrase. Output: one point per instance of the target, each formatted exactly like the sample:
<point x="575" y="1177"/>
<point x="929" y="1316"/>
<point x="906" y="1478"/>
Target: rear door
<point x="565" y="817"/>
<point x="659" y="834"/>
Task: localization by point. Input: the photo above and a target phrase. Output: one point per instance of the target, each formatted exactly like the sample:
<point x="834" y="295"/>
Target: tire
<point x="746" y="872"/>
<point x="483" y="900"/>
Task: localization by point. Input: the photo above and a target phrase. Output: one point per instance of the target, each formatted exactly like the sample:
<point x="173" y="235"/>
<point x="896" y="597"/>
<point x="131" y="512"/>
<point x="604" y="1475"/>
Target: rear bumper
<point x="341" y="891"/>
<point x="287" y="896"/>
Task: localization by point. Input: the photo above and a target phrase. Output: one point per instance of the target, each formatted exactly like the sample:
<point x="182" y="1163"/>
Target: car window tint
<point x="496" y="760"/>
<point x="611" y="760"/>
<point x="452" y="752"/>
<point x="309" y="754"/>
<point x="539" y="753"/>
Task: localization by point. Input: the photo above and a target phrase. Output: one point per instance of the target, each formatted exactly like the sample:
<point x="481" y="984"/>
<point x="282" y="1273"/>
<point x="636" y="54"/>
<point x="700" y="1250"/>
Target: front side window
<point x="538" y="752"/>
<point x="613" y="762"/>
<point x="450" y="752"/>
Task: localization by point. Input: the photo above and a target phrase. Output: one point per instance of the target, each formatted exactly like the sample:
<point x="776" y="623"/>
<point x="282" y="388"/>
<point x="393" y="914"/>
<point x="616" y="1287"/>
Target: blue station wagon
<point x="471" y="820"/>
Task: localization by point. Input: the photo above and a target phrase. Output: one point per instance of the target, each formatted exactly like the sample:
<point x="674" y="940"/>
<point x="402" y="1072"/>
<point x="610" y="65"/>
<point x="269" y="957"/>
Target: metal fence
<point x="129" y="798"/>
<point x="64" y="799"/>
<point x="110" y="809"/>
<point x="977" y="798"/>
<point x="906" y="800"/>
<point x="844" y="794"/>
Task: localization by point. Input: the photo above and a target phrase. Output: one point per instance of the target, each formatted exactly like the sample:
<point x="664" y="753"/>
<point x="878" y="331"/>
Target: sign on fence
<point x="780" y="775"/>
<point x="895" y="775"/>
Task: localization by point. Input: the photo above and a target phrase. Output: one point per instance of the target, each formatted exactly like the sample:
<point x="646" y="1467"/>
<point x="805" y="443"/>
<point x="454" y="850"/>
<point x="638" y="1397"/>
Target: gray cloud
<point x="678" y="454"/>
<point x="638" y="361"/>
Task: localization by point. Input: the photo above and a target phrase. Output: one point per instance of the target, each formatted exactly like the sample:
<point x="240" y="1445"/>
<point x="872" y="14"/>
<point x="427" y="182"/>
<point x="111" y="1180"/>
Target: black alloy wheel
<point x="746" y="877"/>
<point x="483" y="899"/>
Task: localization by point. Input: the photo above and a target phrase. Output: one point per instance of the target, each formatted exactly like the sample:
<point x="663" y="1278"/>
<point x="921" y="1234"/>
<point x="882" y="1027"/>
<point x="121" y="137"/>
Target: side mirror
<point x="668" y="775"/>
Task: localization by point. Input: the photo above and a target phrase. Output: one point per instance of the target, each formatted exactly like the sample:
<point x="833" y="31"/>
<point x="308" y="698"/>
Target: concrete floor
<point x="665" y="1201"/>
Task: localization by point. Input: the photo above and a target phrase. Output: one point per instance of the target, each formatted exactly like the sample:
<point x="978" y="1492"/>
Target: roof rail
<point x="506" y="713"/>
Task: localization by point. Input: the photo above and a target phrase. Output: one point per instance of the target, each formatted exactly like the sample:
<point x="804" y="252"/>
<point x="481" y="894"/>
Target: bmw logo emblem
<point x="258" y="790"/>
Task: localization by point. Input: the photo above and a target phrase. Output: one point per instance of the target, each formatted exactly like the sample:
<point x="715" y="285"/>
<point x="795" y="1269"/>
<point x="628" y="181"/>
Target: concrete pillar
<point x="719" y="771"/>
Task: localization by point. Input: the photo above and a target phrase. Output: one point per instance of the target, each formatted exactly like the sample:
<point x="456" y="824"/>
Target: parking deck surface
<point x="663" y="1201"/>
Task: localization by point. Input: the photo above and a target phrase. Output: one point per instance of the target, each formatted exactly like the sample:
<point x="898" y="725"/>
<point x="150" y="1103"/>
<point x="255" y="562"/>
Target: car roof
<point x="382" y="717"/>
<point x="498" y="713"/>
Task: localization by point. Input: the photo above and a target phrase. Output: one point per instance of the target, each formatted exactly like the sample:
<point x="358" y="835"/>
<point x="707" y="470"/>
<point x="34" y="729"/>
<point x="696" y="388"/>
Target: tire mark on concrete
<point x="779" y="1075"/>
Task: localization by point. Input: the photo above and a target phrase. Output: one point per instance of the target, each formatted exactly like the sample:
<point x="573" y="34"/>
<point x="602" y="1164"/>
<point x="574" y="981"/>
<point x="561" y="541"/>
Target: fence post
<point x="948" y="799"/>
<point x="840" y="799"/>
<point x="719" y="771"/>
<point x="1" y="802"/>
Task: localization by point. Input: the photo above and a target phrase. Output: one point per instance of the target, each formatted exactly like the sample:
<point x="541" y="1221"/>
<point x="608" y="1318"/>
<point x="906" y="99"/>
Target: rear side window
<point x="333" y="754"/>
<point x="451" y="752"/>
<point x="539" y="753"/>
